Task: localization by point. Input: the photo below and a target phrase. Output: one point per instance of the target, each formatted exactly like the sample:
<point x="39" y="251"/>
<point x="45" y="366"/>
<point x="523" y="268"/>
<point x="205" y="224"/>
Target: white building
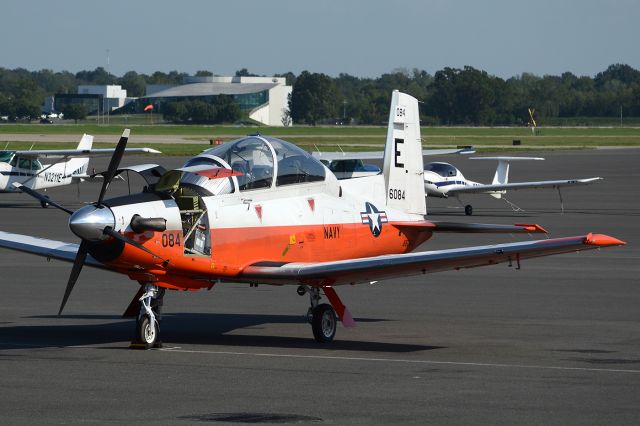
<point x="264" y="98"/>
<point x="114" y="96"/>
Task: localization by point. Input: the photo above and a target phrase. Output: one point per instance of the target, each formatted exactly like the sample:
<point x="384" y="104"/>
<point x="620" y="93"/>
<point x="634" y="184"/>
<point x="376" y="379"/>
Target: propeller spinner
<point x="96" y="222"/>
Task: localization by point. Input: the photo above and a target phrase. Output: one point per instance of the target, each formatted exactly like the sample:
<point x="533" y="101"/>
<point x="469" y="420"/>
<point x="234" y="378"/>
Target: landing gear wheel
<point x="324" y="323"/>
<point x="468" y="210"/>
<point x="147" y="331"/>
<point x="44" y="204"/>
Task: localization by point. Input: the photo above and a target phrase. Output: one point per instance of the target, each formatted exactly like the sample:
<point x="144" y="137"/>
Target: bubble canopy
<point x="260" y="158"/>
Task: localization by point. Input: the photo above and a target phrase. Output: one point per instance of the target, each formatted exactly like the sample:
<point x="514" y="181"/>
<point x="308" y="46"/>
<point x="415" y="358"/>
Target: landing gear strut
<point x="321" y="316"/>
<point x="147" y="334"/>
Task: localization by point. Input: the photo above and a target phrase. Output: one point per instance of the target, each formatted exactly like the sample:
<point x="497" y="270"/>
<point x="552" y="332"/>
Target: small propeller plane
<point x="347" y="165"/>
<point x="23" y="168"/>
<point x="259" y="210"/>
<point x="444" y="180"/>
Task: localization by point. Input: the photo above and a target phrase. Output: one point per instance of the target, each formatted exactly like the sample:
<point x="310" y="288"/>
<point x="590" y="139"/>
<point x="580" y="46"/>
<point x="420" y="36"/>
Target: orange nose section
<point x="602" y="240"/>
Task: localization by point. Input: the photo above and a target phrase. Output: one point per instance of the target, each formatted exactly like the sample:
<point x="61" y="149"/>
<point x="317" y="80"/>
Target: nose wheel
<point x="147" y="333"/>
<point x="468" y="210"/>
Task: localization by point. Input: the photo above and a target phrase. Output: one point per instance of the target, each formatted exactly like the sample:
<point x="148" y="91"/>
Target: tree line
<point x="452" y="96"/>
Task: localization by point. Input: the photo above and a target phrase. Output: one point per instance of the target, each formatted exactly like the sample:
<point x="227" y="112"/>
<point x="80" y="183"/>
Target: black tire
<point x="324" y="323"/>
<point x="147" y="331"/>
<point x="468" y="210"/>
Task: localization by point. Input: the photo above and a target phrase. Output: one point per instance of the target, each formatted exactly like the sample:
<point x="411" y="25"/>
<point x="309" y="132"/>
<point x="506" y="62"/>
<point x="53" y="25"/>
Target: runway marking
<point x="405" y="361"/>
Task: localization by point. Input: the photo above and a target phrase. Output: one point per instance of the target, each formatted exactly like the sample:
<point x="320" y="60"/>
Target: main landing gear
<point x="321" y="316"/>
<point x="147" y="333"/>
<point x="468" y="210"/>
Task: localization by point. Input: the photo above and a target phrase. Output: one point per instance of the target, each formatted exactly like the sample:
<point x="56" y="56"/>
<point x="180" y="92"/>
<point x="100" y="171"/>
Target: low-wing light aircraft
<point x="444" y="180"/>
<point x="347" y="165"/>
<point x="24" y="169"/>
<point x="260" y="210"/>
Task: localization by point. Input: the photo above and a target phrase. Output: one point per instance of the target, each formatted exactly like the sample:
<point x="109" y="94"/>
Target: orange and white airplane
<point x="260" y="210"/>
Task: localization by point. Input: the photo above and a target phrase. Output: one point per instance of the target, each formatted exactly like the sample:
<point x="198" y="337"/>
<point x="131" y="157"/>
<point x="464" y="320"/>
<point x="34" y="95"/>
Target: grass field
<point x="329" y="138"/>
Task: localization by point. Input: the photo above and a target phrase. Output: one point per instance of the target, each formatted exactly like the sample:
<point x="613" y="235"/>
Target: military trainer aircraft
<point x="23" y="168"/>
<point x="260" y="210"/>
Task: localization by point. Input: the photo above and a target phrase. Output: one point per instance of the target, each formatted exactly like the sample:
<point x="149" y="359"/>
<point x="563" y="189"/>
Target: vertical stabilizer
<point x="86" y="142"/>
<point x="502" y="173"/>
<point x="403" y="169"/>
<point x="79" y="165"/>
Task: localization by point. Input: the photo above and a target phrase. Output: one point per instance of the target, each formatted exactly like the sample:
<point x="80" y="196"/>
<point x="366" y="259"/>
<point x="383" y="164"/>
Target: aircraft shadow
<point x="188" y="329"/>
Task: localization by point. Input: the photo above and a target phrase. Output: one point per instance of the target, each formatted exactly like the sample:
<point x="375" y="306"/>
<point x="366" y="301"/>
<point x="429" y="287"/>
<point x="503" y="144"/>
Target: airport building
<point x="97" y="99"/>
<point x="263" y="99"/>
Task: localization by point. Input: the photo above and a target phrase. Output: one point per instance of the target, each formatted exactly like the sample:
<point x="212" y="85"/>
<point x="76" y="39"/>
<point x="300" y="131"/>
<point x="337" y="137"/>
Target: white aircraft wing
<point x="44" y="247"/>
<point x="393" y="266"/>
<point x="378" y="155"/>
<point x="68" y="153"/>
<point x="522" y="185"/>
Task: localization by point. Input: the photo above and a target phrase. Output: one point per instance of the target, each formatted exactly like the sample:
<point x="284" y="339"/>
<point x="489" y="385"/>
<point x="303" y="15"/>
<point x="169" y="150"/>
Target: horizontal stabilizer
<point x="474" y="228"/>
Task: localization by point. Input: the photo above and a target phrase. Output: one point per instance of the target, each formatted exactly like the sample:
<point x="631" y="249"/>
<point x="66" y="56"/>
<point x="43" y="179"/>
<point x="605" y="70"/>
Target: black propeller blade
<point x="113" y="164"/>
<point x="42" y="198"/>
<point x="118" y="236"/>
<point x="78" y="263"/>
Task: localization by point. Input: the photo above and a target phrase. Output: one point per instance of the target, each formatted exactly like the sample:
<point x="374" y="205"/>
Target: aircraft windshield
<point x="253" y="156"/>
<point x="6" y="156"/>
<point x="213" y="186"/>
<point x="443" y="169"/>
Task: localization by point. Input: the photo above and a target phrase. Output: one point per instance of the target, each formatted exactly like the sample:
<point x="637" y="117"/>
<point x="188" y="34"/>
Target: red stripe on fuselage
<point x="232" y="249"/>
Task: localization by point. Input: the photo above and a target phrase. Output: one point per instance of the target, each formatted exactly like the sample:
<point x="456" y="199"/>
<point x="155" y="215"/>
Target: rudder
<point x="403" y="167"/>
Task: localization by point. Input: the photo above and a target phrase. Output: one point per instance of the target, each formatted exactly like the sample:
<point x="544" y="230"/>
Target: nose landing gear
<point x="147" y="333"/>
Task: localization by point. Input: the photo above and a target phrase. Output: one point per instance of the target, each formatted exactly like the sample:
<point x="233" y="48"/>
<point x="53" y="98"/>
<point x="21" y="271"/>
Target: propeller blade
<point x="113" y="164"/>
<point x="75" y="272"/>
<point x="118" y="236"/>
<point x="42" y="198"/>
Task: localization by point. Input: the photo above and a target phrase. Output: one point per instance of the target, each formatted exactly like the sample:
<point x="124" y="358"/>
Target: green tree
<point x="227" y="110"/>
<point x="133" y="83"/>
<point x="74" y="112"/>
<point x="314" y="97"/>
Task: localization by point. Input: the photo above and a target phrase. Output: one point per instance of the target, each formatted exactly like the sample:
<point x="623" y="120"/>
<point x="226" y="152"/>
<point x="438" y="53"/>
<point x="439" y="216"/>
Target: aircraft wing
<point x="522" y="185"/>
<point x="69" y="153"/>
<point x="44" y="247"/>
<point x="370" y="269"/>
<point x="378" y="155"/>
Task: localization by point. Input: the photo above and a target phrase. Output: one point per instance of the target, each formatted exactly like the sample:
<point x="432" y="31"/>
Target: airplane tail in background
<point x="79" y="165"/>
<point x="501" y="176"/>
<point x="86" y="142"/>
<point x="403" y="168"/>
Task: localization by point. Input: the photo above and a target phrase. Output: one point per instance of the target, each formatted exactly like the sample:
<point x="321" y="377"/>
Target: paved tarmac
<point x="557" y="342"/>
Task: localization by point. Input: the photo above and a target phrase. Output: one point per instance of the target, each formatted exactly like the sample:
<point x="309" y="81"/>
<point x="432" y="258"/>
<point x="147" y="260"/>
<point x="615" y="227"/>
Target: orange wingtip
<point x="602" y="240"/>
<point x="532" y="227"/>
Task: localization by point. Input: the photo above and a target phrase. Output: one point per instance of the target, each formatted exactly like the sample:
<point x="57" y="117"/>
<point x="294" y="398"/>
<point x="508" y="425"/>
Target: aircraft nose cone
<point x="89" y="222"/>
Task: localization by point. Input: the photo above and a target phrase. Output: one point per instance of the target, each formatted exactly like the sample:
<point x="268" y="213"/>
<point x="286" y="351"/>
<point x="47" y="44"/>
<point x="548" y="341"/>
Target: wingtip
<point x="533" y="228"/>
<point x="602" y="240"/>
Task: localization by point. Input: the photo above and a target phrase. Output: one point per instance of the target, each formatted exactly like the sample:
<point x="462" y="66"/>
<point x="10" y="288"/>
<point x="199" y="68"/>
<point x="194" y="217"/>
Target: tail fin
<point x="79" y="165"/>
<point x="403" y="169"/>
<point x="502" y="173"/>
<point x="86" y="142"/>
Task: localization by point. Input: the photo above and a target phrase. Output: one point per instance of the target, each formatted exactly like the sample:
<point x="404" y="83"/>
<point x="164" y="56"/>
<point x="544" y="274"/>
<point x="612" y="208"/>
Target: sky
<point x="358" y="37"/>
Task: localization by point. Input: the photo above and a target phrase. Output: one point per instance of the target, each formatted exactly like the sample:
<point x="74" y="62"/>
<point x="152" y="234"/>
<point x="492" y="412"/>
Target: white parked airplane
<point x="444" y="180"/>
<point x="24" y="167"/>
<point x="347" y="165"/>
